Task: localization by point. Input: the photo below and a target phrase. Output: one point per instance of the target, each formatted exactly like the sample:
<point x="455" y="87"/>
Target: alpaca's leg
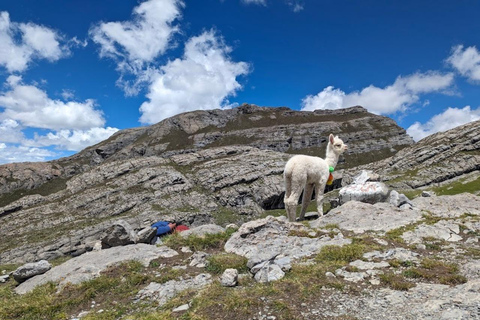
<point x="291" y="205"/>
<point x="288" y="193"/>
<point x="319" y="190"/>
<point x="307" y="197"/>
<point x="293" y="189"/>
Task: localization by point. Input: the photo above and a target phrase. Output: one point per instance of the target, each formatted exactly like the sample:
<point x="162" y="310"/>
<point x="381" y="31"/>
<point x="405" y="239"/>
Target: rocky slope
<point x="442" y="159"/>
<point x="361" y="261"/>
<point x="370" y="137"/>
<point x="198" y="167"/>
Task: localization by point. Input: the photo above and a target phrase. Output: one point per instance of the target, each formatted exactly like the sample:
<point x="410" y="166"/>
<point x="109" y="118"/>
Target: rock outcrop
<point x="438" y="282"/>
<point x="90" y="264"/>
<point x="441" y="158"/>
<point x="200" y="167"/>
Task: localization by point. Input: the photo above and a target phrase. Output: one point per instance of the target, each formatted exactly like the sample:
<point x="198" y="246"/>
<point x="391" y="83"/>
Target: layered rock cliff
<point x="203" y="166"/>
<point x="439" y="160"/>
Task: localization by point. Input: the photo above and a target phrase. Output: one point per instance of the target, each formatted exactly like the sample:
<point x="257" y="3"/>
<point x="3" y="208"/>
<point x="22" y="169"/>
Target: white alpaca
<point x="306" y="172"/>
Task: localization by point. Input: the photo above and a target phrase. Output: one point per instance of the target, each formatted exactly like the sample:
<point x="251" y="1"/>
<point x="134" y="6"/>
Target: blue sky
<point x="74" y="72"/>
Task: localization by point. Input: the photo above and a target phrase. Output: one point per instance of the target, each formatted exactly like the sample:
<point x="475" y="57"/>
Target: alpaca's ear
<point x="330" y="138"/>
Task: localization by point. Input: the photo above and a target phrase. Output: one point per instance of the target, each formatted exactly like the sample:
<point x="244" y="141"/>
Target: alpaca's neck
<point x="331" y="158"/>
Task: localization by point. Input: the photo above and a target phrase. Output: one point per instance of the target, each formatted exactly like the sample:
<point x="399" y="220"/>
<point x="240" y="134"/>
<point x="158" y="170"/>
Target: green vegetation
<point x="341" y="255"/>
<point x="46" y="189"/>
<point x="113" y="290"/>
<point x="218" y="263"/>
<point x="198" y="243"/>
<point x="458" y="187"/>
<point x="396" y="234"/>
<point x="396" y="282"/>
<point x="436" y="271"/>
<point x="224" y="216"/>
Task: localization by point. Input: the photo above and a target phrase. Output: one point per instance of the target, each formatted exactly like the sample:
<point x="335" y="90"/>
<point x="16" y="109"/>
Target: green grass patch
<point x="436" y="271"/>
<point x="396" y="282"/>
<point x="341" y="254"/>
<point x="218" y="263"/>
<point x="8" y="267"/>
<point x="199" y="243"/>
<point x="46" y="189"/>
<point x="396" y="234"/>
<point x="458" y="187"/>
<point x="113" y="290"/>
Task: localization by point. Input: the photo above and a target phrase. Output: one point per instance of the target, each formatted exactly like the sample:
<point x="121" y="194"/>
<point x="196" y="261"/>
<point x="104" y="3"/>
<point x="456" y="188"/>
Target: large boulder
<point x="30" y="270"/>
<point x="368" y="192"/>
<point x="146" y="235"/>
<point x="120" y="233"/>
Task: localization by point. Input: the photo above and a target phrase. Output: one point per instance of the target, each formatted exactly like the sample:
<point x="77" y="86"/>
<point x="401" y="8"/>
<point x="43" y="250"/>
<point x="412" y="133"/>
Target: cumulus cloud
<point x="466" y="61"/>
<point x="32" y="107"/>
<point x="73" y="140"/>
<point x="139" y="41"/>
<point x="10" y="153"/>
<point x="202" y="79"/>
<point x="23" y="42"/>
<point x="295" y="5"/>
<point x="10" y="131"/>
<point x="260" y="2"/>
<point x="404" y="92"/>
<point x="449" y="119"/>
<point x="71" y="125"/>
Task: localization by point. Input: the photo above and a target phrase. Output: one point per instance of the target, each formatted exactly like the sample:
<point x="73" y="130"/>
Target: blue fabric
<point x="162" y="227"/>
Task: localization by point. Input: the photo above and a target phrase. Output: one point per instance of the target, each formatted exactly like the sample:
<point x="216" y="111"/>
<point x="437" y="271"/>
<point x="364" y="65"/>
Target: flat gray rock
<point x="265" y="239"/>
<point x="163" y="292"/>
<point x="428" y="301"/>
<point x="203" y="230"/>
<point x="449" y="206"/>
<point x="359" y="217"/>
<point x="442" y="230"/>
<point x="30" y="270"/>
<point x="400" y="254"/>
<point x="90" y="264"/>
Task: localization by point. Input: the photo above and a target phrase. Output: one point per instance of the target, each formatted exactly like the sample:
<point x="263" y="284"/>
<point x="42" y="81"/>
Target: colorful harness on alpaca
<point x="330" y="177"/>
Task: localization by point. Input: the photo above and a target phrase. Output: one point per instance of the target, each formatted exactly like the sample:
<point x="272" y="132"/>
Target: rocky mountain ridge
<point x="202" y="166"/>
<point x="397" y="259"/>
<point x="437" y="160"/>
<point x="371" y="137"/>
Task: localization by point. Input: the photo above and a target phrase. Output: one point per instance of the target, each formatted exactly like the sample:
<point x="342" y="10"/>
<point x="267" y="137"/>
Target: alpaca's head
<point x="336" y="145"/>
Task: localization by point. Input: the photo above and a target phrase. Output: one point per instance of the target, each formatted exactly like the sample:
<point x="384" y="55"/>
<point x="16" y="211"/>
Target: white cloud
<point x="466" y="61"/>
<point x="10" y="131"/>
<point x="32" y="107"/>
<point x="399" y="96"/>
<point x="295" y="5"/>
<point x="259" y="2"/>
<point x="73" y="140"/>
<point x="21" y="43"/>
<point x="328" y="98"/>
<point x="139" y="41"/>
<point x="73" y="125"/>
<point x="201" y="80"/>
<point x="11" y="153"/>
<point x="449" y="119"/>
<point x="67" y="94"/>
